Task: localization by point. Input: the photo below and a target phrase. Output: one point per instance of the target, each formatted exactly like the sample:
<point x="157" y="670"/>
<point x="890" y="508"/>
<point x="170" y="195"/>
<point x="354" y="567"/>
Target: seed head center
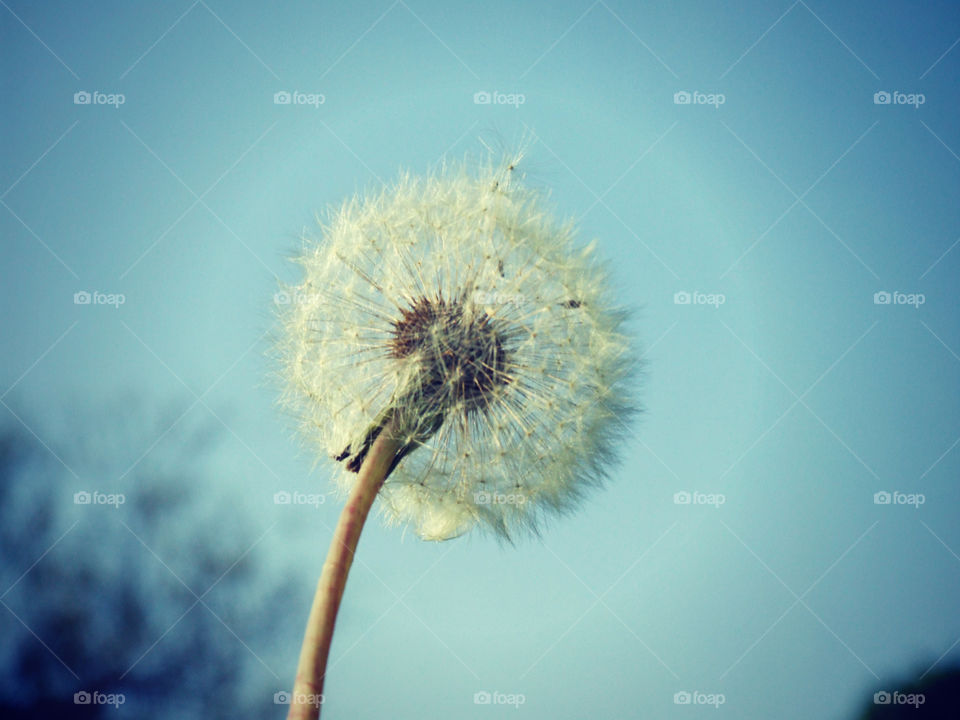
<point x="460" y="351"/>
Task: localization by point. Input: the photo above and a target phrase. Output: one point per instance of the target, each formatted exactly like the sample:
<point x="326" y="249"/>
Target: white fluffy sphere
<point x="456" y="304"/>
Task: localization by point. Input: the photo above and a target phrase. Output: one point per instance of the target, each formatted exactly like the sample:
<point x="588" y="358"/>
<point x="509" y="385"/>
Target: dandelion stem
<point x="308" y="686"/>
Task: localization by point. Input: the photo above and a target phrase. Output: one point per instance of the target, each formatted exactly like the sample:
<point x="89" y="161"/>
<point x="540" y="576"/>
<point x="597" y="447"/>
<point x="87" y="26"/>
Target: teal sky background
<point x="793" y="205"/>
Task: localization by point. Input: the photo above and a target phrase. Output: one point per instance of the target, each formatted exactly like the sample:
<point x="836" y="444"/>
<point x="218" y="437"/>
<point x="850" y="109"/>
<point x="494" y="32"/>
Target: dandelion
<point x="458" y="357"/>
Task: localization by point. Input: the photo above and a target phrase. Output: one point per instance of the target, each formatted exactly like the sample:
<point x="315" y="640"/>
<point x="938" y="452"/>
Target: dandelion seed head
<point x="456" y="304"/>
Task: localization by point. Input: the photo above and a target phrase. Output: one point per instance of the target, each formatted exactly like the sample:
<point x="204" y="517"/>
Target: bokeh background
<point x="775" y="187"/>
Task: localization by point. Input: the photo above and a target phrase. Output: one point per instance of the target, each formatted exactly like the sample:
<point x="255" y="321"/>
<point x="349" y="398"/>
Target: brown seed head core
<point x="462" y="351"/>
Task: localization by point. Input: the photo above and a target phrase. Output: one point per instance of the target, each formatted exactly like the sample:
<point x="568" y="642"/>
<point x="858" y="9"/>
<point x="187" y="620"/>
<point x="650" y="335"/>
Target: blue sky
<point x="788" y="238"/>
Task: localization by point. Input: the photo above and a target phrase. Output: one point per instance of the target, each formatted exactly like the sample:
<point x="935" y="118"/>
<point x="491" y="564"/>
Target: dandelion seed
<point x="456" y="307"/>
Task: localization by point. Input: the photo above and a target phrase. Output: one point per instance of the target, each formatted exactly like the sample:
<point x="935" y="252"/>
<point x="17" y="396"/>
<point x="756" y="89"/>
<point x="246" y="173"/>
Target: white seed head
<point x="457" y="307"/>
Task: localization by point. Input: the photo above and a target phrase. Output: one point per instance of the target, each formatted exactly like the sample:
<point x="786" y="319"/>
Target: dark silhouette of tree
<point x="101" y="598"/>
<point x="935" y="696"/>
